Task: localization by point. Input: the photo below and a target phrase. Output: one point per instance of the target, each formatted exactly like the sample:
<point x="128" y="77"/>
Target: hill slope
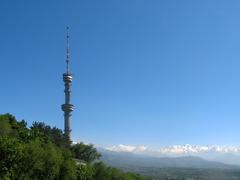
<point x="171" y="168"/>
<point x="120" y="159"/>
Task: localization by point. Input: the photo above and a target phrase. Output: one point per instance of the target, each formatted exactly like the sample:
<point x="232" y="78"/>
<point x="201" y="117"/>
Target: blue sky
<point x="145" y="72"/>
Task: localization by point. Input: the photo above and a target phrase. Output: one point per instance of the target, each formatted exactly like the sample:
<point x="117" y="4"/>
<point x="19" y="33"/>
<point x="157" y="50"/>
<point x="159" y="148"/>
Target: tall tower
<point x="67" y="107"/>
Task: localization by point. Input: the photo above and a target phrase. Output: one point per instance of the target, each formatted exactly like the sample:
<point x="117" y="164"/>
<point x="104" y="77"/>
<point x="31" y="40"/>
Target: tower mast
<point x="68" y="51"/>
<point x="67" y="107"/>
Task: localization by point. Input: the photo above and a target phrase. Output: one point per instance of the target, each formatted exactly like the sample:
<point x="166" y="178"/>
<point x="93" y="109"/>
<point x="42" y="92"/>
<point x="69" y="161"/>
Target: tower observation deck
<point x="67" y="107"/>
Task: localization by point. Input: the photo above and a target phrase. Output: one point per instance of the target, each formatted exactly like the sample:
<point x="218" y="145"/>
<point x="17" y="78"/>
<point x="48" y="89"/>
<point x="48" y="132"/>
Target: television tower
<point x="67" y="107"/>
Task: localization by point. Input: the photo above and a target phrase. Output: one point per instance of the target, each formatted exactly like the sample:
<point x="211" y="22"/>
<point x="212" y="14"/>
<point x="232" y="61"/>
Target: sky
<point x="153" y="73"/>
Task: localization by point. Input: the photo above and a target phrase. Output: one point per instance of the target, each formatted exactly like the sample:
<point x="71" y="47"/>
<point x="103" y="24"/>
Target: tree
<point x="42" y="160"/>
<point x="85" y="152"/>
<point x="5" y="127"/>
<point x="55" y="135"/>
<point x="42" y="152"/>
<point x="11" y="157"/>
<point x="85" y="172"/>
<point x="101" y="171"/>
<point x="68" y="167"/>
<point x="9" y="126"/>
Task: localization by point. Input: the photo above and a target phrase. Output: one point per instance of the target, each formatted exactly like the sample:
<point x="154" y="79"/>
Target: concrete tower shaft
<point x="67" y="107"/>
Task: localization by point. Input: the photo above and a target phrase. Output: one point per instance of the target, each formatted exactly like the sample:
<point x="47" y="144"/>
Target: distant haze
<point x="225" y="154"/>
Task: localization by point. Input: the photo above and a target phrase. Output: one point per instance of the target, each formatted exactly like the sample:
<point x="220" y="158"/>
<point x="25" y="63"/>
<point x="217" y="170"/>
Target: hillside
<point x="44" y="152"/>
<point x="171" y="168"/>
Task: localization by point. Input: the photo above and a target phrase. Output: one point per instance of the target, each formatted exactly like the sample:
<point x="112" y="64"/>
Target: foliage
<point x="5" y="128"/>
<point x="103" y="172"/>
<point x="85" y="172"/>
<point x="42" y="152"/>
<point x="9" y="126"/>
<point x="85" y="152"/>
<point x="42" y="160"/>
<point x="11" y="156"/>
<point x="39" y="129"/>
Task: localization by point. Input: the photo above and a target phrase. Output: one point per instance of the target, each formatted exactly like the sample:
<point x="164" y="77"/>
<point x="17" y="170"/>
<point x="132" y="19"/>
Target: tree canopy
<point x="43" y="152"/>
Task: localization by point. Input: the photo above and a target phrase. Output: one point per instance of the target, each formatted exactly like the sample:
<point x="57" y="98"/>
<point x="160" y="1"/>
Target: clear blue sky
<point x="145" y="72"/>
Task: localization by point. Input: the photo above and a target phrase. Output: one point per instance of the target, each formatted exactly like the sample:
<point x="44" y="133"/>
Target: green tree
<point x="9" y="126"/>
<point x="85" y="172"/>
<point x="39" y="129"/>
<point x="68" y="167"/>
<point x="5" y="127"/>
<point x="42" y="160"/>
<point x="85" y="152"/>
<point x="11" y="157"/>
<point x="43" y="152"/>
<point x="101" y="171"/>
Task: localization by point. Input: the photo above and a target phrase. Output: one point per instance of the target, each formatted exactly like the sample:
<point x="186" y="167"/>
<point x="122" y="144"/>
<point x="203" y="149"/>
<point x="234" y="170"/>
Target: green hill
<point x="43" y="152"/>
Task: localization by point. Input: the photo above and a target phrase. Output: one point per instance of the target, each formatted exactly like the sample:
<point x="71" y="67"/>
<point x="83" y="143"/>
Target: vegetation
<point x="43" y="152"/>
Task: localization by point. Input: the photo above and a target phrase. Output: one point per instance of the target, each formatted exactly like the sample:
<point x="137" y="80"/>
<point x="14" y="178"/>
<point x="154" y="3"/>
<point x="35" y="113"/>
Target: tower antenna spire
<point x="67" y="107"/>
<point x="68" y="51"/>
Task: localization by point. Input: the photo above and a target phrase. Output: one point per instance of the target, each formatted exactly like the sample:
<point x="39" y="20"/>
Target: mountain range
<point x="123" y="159"/>
<point x="174" y="168"/>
